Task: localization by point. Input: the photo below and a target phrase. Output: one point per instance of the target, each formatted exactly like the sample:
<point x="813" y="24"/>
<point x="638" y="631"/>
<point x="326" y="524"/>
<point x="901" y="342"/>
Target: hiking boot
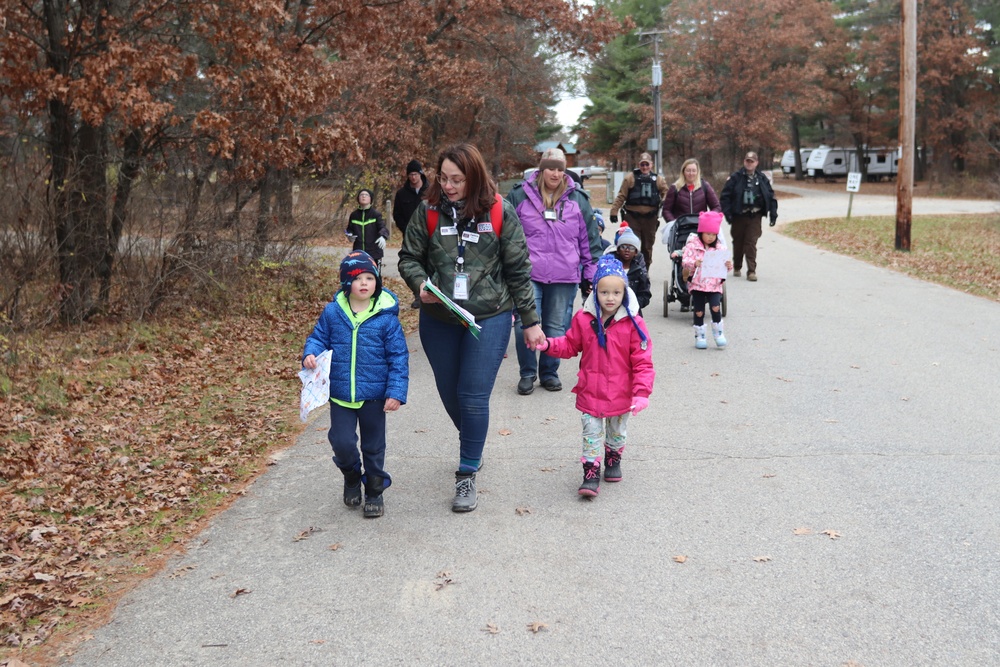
<point x="525" y="386"/>
<point x="752" y="277"/>
<point x="591" y="479"/>
<point x="416" y="303"/>
<point x="718" y="334"/>
<point x="374" y="505"/>
<point x="699" y="337"/>
<point x="352" y="488"/>
<point x="465" y="492"/>
<point x="552" y="384"/>
<point x="736" y="273"/>
<point x="612" y="464"/>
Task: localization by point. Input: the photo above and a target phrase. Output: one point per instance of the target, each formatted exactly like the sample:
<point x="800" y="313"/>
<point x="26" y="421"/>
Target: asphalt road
<point x="829" y="481"/>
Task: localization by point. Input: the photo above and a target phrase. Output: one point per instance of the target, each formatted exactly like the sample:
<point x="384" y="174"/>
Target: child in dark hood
<point x="366" y="229"/>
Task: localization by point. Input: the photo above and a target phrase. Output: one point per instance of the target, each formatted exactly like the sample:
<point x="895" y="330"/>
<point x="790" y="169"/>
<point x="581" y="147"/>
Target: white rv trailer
<point x="788" y="160"/>
<point x="830" y="162"/>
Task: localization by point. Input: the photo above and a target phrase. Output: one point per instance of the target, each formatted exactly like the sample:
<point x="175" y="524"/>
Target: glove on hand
<point x="380" y="242"/>
<point x="639" y="403"/>
<point x="585" y="288"/>
<point x="773" y="221"/>
<point x="614" y="218"/>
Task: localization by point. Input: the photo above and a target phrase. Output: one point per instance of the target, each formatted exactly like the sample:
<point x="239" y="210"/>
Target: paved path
<point x="851" y="399"/>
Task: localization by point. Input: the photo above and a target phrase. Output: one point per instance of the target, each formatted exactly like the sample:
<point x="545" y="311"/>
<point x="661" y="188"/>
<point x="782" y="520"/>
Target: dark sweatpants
<point x="644" y="227"/>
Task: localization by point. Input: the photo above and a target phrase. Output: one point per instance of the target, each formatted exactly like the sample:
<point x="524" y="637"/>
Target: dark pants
<point x="343" y="436"/>
<point x="465" y="369"/>
<point x="698" y="301"/>
<point x="554" y="305"/>
<point x="746" y="231"/>
<point x="645" y="227"/>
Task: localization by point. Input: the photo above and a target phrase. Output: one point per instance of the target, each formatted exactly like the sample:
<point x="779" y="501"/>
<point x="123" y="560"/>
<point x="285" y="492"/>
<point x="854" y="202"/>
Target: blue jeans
<point x="343" y="437"/>
<point x="465" y="369"/>
<point x="554" y="304"/>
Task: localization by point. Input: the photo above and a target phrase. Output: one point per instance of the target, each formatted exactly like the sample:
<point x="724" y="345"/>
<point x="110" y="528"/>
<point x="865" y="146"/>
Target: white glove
<point x="380" y="242"/>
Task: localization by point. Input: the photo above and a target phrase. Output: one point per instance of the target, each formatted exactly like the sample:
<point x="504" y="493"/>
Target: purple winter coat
<point x="686" y="202"/>
<point x="557" y="248"/>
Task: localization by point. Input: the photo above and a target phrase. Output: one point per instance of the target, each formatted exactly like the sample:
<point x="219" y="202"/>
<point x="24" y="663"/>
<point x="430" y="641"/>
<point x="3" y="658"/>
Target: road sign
<point x="854" y="181"/>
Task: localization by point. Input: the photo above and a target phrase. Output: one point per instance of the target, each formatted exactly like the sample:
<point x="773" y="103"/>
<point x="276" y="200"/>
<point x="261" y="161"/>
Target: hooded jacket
<point x="370" y="360"/>
<point x="558" y="248"/>
<point x="367" y="225"/>
<point x="499" y="268"/>
<point x="611" y="376"/>
<point x="693" y="251"/>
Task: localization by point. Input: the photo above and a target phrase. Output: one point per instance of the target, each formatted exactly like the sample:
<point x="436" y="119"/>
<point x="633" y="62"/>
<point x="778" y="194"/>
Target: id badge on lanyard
<point x="461" y="291"/>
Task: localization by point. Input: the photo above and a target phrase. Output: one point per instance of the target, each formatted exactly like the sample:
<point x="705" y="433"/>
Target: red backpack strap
<point x="496" y="217"/>
<point x="432" y="220"/>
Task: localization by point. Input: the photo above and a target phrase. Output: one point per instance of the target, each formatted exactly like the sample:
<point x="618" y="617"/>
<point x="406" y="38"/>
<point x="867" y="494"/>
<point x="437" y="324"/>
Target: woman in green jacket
<point x="468" y="242"/>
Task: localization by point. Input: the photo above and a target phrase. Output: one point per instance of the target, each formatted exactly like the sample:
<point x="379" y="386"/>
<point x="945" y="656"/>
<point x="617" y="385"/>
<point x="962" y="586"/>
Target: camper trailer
<point x="881" y="163"/>
<point x="788" y="160"/>
<point x="831" y="163"/>
<point x="828" y="162"/>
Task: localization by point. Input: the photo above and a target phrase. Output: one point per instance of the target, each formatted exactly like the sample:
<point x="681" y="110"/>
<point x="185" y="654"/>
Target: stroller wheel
<point x="666" y="298"/>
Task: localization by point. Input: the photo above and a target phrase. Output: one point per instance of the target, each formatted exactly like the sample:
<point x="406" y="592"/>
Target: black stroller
<point x="675" y="288"/>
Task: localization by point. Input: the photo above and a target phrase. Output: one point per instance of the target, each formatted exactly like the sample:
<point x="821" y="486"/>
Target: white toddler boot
<point x="699" y="337"/>
<point x="718" y="334"/>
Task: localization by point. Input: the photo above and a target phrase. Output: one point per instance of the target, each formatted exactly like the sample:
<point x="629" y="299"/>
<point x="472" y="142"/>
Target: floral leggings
<point x="599" y="432"/>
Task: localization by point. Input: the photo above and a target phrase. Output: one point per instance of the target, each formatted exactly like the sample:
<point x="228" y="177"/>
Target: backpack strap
<point x="496" y="217"/>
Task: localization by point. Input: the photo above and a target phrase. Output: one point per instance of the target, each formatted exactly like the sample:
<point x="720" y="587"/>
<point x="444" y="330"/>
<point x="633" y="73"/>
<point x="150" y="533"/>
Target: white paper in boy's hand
<point x="315" y="385"/>
<point x="713" y="264"/>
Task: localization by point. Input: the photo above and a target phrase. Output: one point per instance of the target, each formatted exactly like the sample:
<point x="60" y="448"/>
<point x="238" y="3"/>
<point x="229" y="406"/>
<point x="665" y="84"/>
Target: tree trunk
<point x="283" y="200"/>
<point x="263" y="215"/>
<point x="126" y="177"/>
<point x="797" y="147"/>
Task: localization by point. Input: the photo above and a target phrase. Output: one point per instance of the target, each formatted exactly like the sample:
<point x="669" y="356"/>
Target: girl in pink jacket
<point x="703" y="289"/>
<point x="616" y="369"/>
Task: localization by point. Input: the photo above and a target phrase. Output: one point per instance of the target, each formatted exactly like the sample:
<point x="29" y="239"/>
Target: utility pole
<point x="657" y="81"/>
<point x="907" y="122"/>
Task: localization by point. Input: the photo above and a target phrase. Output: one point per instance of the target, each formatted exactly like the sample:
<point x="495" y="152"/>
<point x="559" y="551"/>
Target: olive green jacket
<point x="499" y="269"/>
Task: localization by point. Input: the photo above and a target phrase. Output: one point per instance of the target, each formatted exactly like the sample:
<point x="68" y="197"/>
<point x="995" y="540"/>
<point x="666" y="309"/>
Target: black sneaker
<point x="591" y="479"/>
<point x="612" y="465"/>
<point x="374" y="507"/>
<point x="352" y="488"/>
<point x="552" y="384"/>
<point x="526" y="386"/>
<point x="465" y="492"/>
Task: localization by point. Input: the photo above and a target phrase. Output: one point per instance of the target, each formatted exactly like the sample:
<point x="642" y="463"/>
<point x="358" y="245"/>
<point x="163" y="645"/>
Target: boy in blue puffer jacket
<point x="369" y="375"/>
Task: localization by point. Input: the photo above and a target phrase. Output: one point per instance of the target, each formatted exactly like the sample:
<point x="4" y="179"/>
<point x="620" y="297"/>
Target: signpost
<point x="853" y="185"/>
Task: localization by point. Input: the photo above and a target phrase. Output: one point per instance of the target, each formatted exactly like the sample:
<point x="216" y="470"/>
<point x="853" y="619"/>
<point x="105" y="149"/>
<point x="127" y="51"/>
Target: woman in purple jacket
<point x="564" y="244"/>
<point x="689" y="195"/>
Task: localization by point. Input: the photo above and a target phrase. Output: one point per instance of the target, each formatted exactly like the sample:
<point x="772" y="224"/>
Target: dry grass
<point x="957" y="251"/>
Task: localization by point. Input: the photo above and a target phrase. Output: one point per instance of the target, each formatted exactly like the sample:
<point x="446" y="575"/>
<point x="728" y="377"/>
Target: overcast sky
<point x="568" y="110"/>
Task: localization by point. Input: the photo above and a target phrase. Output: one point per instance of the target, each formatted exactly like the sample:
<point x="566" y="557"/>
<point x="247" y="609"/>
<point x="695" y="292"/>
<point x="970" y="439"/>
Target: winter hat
<point x="356" y="263"/>
<point x="600" y="219"/>
<point x="371" y="195"/>
<point x="552" y="158"/>
<point x="414" y="166"/>
<point x="628" y="237"/>
<point x="608" y="265"/>
<point x="621" y="230"/>
<point x="709" y="222"/>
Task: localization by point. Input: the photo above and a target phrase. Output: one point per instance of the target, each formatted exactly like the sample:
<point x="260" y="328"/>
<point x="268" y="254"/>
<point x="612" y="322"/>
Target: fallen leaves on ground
<point x="240" y="591"/>
<point x="443" y="579"/>
<point x="680" y="559"/>
<point x="492" y="629"/>
<point x="118" y="440"/>
<point x="761" y="559"/>
<point x="802" y="531"/>
<point x="536" y="626"/>
<point x="306" y="534"/>
<point x="832" y="534"/>
<point x="521" y="511"/>
<point x="505" y="431"/>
